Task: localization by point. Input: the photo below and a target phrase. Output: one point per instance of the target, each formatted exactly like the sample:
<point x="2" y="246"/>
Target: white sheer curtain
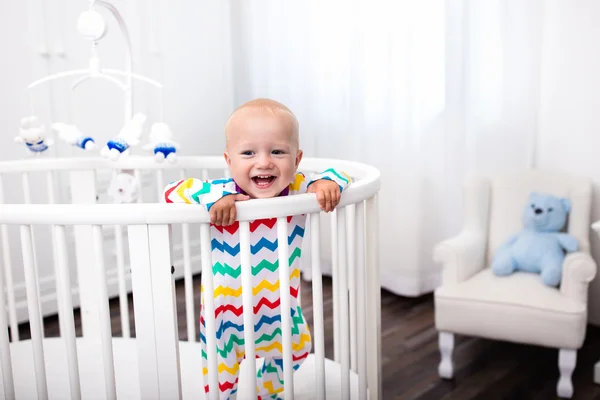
<point x="424" y="90"/>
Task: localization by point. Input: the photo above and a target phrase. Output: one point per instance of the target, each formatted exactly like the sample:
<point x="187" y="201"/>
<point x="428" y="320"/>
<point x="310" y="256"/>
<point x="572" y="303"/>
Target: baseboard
<point x="410" y="286"/>
<point x="391" y="281"/>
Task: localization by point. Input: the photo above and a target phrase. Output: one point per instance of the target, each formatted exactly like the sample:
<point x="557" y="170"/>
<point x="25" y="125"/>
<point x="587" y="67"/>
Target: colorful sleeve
<point x="196" y="191"/>
<point x="301" y="183"/>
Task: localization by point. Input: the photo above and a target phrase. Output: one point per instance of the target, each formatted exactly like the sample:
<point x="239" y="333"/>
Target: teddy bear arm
<point x="568" y="242"/>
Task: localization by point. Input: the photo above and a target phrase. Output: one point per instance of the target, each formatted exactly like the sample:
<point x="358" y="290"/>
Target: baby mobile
<point x="91" y="26"/>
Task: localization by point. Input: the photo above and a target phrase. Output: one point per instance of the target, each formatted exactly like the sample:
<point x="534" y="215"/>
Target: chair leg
<point x="567" y="359"/>
<point x="446" y="343"/>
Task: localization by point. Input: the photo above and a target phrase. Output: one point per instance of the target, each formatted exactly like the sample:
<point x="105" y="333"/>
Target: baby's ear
<point x="566" y="204"/>
<point x="299" y="155"/>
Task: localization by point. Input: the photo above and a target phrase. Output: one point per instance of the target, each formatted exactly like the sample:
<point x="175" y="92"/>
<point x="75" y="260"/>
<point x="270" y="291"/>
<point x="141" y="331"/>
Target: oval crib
<point x="53" y="218"/>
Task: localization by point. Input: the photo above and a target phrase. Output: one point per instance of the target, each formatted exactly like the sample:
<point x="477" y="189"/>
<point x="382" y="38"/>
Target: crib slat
<point x="138" y="177"/>
<point x="352" y="298"/>
<point x="247" y="288"/>
<point x="5" y="361"/>
<point x="26" y="191"/>
<point x="27" y="200"/>
<point x="188" y="279"/>
<point x="361" y="277"/>
<point x="188" y="283"/>
<point x="141" y="283"/>
<point x="344" y="329"/>
<point x="33" y="306"/>
<point x="286" y="318"/>
<point x="165" y="313"/>
<point x="123" y="300"/>
<point x="51" y="200"/>
<point x="318" y="320"/>
<point x="160" y="185"/>
<point x="50" y="185"/>
<point x="335" y="286"/>
<point x="204" y="174"/>
<point x="83" y="190"/>
<point x="67" y="326"/>
<point x="6" y="262"/>
<point x="208" y="307"/>
<point x="104" y="314"/>
<point x="373" y="300"/>
<point x="10" y="291"/>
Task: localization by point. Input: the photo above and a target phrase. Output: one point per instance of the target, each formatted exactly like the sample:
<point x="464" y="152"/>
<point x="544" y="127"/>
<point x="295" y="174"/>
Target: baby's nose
<point x="264" y="161"/>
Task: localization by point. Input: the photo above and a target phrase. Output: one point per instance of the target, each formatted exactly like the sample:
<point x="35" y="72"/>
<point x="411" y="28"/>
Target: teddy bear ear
<point x="566" y="204"/>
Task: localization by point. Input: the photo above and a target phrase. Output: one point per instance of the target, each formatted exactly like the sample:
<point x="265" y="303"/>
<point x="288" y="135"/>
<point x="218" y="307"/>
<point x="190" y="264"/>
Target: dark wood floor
<point x="485" y="369"/>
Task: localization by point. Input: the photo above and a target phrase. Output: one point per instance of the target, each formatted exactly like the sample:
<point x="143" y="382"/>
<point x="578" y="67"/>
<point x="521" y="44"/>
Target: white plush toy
<point x="73" y="136"/>
<point x="32" y="134"/>
<point x="124" y="188"/>
<point x="129" y="136"/>
<point x="161" y="143"/>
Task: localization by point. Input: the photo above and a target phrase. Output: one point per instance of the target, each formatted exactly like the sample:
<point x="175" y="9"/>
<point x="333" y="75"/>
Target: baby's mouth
<point x="263" y="181"/>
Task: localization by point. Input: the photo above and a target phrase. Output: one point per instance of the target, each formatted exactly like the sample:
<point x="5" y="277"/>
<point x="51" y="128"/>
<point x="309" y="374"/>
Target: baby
<point x="262" y="152"/>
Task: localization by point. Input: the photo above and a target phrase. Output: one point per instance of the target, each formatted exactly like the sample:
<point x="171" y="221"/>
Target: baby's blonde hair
<point x="275" y="108"/>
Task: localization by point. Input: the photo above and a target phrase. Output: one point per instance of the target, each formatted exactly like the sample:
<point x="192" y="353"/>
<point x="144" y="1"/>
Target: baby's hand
<point x="328" y="193"/>
<point x="223" y="212"/>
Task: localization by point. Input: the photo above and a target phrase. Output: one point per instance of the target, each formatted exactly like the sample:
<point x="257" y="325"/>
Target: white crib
<point x="81" y="234"/>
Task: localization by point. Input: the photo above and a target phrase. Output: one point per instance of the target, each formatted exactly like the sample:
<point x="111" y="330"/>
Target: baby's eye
<point x="247" y="153"/>
<point x="278" y="152"/>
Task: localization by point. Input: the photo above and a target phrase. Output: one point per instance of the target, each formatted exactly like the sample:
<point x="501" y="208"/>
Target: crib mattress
<point x="127" y="376"/>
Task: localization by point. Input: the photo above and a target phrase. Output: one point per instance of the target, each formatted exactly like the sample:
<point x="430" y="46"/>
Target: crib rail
<point x="149" y="230"/>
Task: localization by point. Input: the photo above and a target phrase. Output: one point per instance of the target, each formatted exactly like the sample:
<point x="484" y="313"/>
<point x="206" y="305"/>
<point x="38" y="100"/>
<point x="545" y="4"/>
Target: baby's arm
<point x="328" y="186"/>
<point x="213" y="195"/>
<point x="339" y="177"/>
<point x="197" y="191"/>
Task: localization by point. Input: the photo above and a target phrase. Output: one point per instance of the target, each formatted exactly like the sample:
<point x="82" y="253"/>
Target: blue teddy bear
<point x="538" y="248"/>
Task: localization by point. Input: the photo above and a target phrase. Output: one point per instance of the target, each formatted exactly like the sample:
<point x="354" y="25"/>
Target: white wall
<point x="570" y="102"/>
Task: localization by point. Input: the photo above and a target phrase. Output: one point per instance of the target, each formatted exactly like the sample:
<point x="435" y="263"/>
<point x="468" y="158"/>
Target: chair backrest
<point x="508" y="195"/>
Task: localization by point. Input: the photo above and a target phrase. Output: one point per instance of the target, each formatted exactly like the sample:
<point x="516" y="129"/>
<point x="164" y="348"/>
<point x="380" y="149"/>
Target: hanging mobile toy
<point x="32" y="134"/>
<point x="161" y="143"/>
<point x="128" y="136"/>
<point x="92" y="26"/>
<point x="73" y="136"/>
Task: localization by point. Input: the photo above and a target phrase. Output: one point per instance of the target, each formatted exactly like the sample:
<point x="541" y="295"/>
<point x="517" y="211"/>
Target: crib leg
<point x="446" y="343"/>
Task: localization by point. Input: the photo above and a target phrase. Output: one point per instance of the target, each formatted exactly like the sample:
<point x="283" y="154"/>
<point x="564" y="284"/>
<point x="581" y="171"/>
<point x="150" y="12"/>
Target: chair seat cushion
<point x="517" y="308"/>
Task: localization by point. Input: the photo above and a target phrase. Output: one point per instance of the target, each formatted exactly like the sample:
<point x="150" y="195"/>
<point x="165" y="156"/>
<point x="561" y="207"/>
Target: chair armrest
<point x="579" y="269"/>
<point x="462" y="256"/>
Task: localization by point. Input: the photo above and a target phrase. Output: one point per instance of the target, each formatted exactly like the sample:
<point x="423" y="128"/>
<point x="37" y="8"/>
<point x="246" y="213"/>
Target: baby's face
<point x="262" y="157"/>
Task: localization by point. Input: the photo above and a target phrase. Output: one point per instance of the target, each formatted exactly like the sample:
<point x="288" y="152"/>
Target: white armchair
<point x="517" y="308"/>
